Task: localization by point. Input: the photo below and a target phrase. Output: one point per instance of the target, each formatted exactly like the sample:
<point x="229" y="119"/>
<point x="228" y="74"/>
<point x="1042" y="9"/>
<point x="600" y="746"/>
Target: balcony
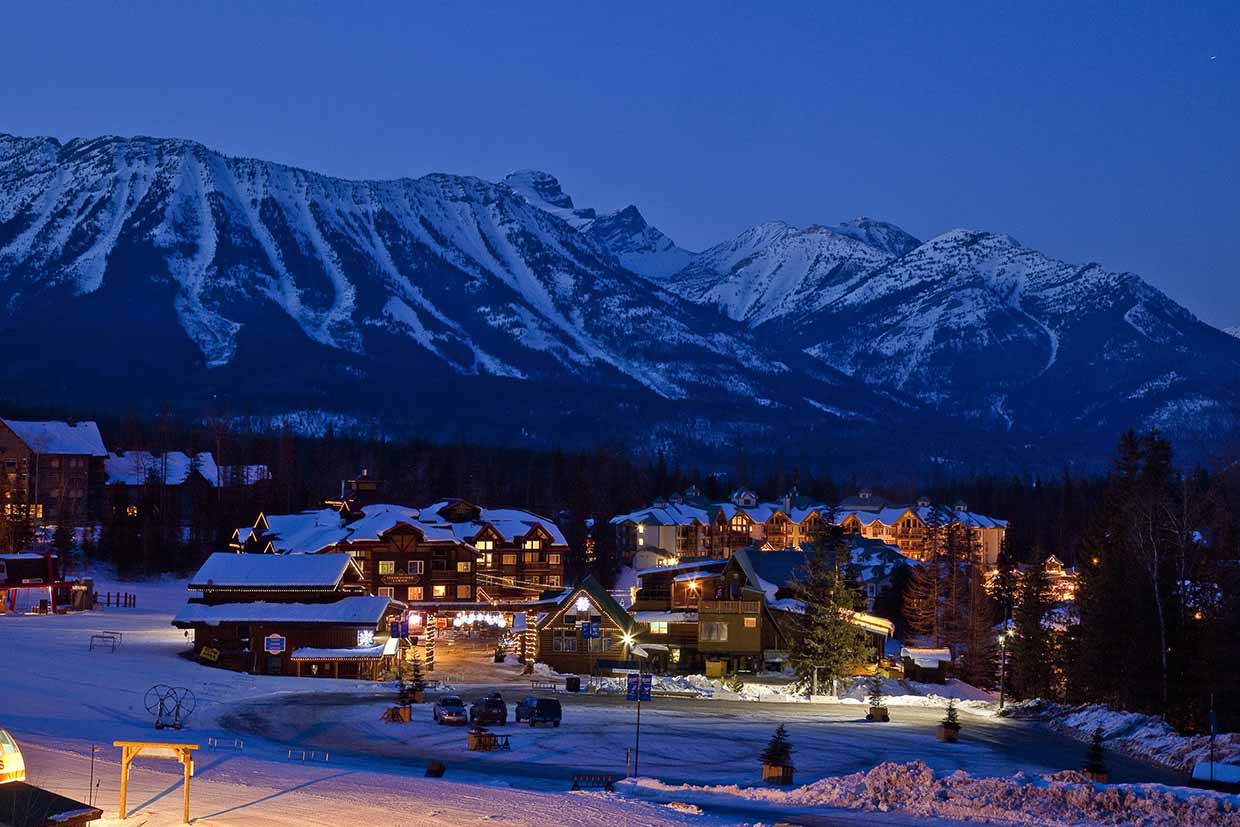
<point x="730" y="607"/>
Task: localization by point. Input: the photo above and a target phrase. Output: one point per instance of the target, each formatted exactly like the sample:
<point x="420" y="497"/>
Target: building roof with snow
<point x="264" y="572"/>
<point x="306" y="532"/>
<point x="169" y="468"/>
<point x="357" y="610"/>
<point x="59" y="437"/>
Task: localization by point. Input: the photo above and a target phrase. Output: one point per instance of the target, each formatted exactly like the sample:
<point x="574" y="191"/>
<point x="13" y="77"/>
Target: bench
<point x="592" y="781"/>
<point x="225" y="743"/>
<point x="102" y="642"/>
<point x="486" y="742"/>
<point x="546" y="686"/>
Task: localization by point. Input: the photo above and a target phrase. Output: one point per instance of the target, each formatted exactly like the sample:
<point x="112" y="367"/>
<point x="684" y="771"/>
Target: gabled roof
<point x="228" y="570"/>
<point x="601" y="598"/>
<point x="358" y="610"/>
<point x="171" y="468"/>
<point x="306" y="532"/>
<point x="59" y="437"/>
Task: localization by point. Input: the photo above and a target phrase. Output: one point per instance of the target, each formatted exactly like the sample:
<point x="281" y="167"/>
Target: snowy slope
<point x="624" y="233"/>
<point x="1233" y="331"/>
<point x="203" y="278"/>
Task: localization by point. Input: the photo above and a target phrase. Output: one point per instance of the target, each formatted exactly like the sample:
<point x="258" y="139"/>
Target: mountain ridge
<point x="265" y="287"/>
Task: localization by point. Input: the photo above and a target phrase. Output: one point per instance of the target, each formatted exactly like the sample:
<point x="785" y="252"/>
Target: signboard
<point x="274" y="644"/>
<point x="399" y="628"/>
<point x="596" y="629"/>
<point x="638" y="688"/>
<point x="12" y="766"/>
<point x="209" y="654"/>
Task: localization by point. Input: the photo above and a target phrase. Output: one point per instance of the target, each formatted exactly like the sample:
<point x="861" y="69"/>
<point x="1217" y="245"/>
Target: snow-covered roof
<point x="383" y="517"/>
<point x="26" y="555"/>
<point x="355" y="653"/>
<point x="927" y="658"/>
<point x="667" y="514"/>
<point x="511" y="523"/>
<point x="227" y="570"/>
<point x="309" y="531"/>
<point x="171" y="468"/>
<point x="665" y="617"/>
<point x="59" y="437"/>
<point x="359" y="610"/>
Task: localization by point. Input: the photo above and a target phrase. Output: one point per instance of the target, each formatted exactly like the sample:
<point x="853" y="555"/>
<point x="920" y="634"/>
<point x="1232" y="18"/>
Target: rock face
<point x="138" y="274"/>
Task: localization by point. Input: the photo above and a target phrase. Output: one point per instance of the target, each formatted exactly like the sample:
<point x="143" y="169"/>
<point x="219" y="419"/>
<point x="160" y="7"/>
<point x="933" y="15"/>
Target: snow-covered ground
<point x="1146" y="736"/>
<point x="59" y="700"/>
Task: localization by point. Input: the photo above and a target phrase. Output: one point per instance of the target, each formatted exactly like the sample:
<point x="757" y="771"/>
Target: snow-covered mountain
<point x="143" y="272"/>
<point x="624" y="233"/>
<point x="138" y="274"/>
<point x="1233" y="331"/>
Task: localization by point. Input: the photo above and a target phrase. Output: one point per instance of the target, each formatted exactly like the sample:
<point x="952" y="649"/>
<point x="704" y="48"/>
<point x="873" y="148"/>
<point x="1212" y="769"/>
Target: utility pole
<point x="1003" y="639"/>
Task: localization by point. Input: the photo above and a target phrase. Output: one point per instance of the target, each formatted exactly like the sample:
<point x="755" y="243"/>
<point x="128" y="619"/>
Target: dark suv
<point x="539" y="711"/>
<point x="489" y="710"/>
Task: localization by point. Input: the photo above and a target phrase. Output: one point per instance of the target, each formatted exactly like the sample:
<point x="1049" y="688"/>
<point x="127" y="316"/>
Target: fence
<point x="121" y="600"/>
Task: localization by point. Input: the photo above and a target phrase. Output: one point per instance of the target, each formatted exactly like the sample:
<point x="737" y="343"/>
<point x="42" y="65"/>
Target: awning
<point x="356" y="653"/>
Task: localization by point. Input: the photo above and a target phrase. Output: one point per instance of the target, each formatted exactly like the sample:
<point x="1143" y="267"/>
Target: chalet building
<point x="180" y="480"/>
<point x="1061" y="580"/>
<point x="50" y="472"/>
<point x="688" y="525"/>
<point x="587" y="633"/>
<point x="301" y="615"/>
<point x="450" y="555"/>
<point x="905" y="526"/>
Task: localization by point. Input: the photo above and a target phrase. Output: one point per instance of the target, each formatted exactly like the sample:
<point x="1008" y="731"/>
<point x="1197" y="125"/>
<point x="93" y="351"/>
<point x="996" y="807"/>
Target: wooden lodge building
<point x="50" y="471"/>
<point x="302" y="615"/>
<point x="687" y="526"/>
<point x="172" y="480"/>
<point x="717" y="616"/>
<point x="449" y="556"/>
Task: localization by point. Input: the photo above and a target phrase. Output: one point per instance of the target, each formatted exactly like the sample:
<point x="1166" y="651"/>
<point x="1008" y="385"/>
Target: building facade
<point x="50" y="472"/>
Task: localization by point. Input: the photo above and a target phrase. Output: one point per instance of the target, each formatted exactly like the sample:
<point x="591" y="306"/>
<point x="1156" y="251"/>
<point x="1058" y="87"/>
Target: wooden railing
<point x="731" y="606"/>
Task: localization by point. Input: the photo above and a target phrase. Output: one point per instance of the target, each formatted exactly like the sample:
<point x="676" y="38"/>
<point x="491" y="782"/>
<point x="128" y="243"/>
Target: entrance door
<point x="275" y="665"/>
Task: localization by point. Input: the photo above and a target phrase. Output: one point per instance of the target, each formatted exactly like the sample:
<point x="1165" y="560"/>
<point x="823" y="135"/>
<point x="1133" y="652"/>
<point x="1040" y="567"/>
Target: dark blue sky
<point x="1085" y="131"/>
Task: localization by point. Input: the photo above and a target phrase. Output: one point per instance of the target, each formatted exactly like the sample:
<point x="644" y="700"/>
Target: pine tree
<point x="1031" y="647"/>
<point x="980" y="653"/>
<point x="952" y="718"/>
<point x="778" y="752"/>
<point x="874" y="689"/>
<point x="1095" y="756"/>
<point x="826" y="646"/>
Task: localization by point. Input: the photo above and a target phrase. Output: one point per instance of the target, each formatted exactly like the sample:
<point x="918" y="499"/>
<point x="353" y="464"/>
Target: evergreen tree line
<point x="1154" y="626"/>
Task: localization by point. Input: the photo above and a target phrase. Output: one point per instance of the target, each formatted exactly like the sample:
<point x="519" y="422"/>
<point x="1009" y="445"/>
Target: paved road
<point x="684" y="740"/>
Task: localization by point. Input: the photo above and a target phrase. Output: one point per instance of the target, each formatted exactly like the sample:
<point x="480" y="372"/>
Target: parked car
<point x="540" y="711"/>
<point x="525" y="707"/>
<point x="489" y="710"/>
<point x="449" y="709"/>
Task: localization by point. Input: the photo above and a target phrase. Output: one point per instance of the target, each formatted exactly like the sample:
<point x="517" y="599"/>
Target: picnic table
<point x="482" y="740"/>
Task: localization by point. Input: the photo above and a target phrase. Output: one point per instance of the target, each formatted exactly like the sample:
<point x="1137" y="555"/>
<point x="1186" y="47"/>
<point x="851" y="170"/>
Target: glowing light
<point x="583" y="604"/>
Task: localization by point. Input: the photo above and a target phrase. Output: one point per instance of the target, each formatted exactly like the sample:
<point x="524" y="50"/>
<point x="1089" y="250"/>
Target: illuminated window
<point x="439" y="591"/>
<point x="534" y="544"/>
<point x="553" y="580"/>
<point x="132" y="510"/>
<point x="387" y="567"/>
<point x="484" y="545"/>
<point x="658" y="627"/>
<point x="751" y="623"/>
<point x="386" y="591"/>
<point x="488" y="559"/>
<point x="464" y="592"/>
<point x="553" y="559"/>
<point x="464" y="566"/>
<point x="415" y="593"/>
<point x="510" y="559"/>
<point x="739" y="523"/>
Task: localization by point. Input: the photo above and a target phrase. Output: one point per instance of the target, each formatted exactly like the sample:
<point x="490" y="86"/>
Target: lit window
<point x="439" y="591"/>
<point x="553" y="559"/>
<point x="386" y="591"/>
<point x="553" y="580"/>
<point x="464" y="566"/>
<point x="534" y="544"/>
<point x="464" y="592"/>
<point x="658" y="627"/>
<point x="510" y="559"/>
<point x="414" y="567"/>
<point x="415" y="592"/>
<point x="387" y="567"/>
<point x="484" y="545"/>
<point x="132" y="510"/>
<point x="488" y="559"/>
<point x="751" y="623"/>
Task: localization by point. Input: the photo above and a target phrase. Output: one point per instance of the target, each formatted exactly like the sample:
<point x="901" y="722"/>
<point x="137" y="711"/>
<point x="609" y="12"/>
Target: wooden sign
<point x="209" y="654"/>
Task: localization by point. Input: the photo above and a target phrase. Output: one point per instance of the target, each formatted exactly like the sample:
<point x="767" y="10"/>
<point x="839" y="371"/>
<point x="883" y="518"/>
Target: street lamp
<point x="1003" y="640"/>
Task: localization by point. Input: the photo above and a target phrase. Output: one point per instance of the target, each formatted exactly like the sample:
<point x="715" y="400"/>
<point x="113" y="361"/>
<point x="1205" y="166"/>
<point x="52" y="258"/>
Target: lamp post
<point x="1003" y="640"/>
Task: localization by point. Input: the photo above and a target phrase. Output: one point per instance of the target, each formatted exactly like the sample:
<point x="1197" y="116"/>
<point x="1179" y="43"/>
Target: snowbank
<point x="911" y="693"/>
<point x="1144" y="736"/>
<point x="1064" y="799"/>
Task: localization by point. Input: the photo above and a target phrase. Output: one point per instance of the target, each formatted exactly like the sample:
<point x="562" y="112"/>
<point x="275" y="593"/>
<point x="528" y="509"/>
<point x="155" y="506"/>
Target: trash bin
<point x="572" y="683"/>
